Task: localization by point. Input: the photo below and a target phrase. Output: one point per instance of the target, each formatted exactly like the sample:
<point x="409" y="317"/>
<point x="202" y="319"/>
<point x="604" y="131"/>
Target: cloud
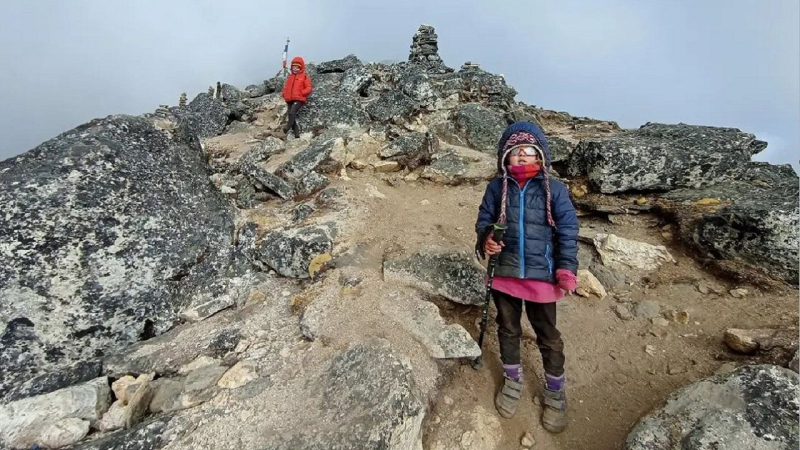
<point x="710" y="63"/>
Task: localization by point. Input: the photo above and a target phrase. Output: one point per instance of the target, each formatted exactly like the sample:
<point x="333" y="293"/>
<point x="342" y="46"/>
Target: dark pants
<point x="543" y="320"/>
<point x="291" y="124"/>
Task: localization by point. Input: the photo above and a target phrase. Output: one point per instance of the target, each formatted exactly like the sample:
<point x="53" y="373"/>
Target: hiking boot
<point x="508" y="397"/>
<point x="554" y="410"/>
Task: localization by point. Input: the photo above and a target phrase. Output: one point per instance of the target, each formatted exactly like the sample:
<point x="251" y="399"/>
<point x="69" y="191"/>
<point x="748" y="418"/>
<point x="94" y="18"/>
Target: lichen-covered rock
<point x="329" y="106"/>
<point x="101" y="225"/>
<point x="269" y="181"/>
<point x="78" y="373"/>
<point x="289" y="252"/>
<point x="356" y="81"/>
<point x="662" y="157"/>
<point x="481" y="126"/>
<point x="480" y="85"/>
<point x="256" y="90"/>
<point x="311" y="183"/>
<point x="391" y="107"/>
<point x="751" y="408"/>
<point x="366" y="398"/>
<point x="308" y="159"/>
<point x="454" y="275"/>
<point x="203" y="117"/>
<point x="148" y="435"/>
<point x="339" y="65"/>
<point x="456" y="165"/>
<point x="411" y="150"/>
<point x="756" y="222"/>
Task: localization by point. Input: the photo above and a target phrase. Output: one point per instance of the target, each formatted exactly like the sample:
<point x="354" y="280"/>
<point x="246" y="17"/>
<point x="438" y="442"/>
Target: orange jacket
<point x="298" y="85"/>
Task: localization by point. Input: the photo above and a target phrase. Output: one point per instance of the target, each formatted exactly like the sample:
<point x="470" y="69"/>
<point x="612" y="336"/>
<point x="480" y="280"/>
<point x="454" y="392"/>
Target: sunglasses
<point x="527" y="150"/>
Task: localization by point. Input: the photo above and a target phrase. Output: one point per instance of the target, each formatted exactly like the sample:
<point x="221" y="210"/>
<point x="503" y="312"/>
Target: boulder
<point x="309" y="159"/>
<point x="422" y="320"/>
<point x="662" y="157"/>
<point x="391" y="107"/>
<point x="356" y="81"/>
<point x="256" y="90"/>
<point x="754" y="221"/>
<point x="751" y="408"/>
<point x="78" y="373"/>
<point x="458" y="165"/>
<point x="366" y="398"/>
<point x="101" y="225"/>
<point x="29" y="421"/>
<point x="454" y="275"/>
<point x="481" y="126"/>
<point x="203" y="117"/>
<point x="411" y="150"/>
<point x="269" y="181"/>
<point x="339" y="65"/>
<point x="769" y="345"/>
<point x="330" y="106"/>
<point x="488" y="88"/>
<point x="626" y="254"/>
<point x="149" y="435"/>
<point x="290" y="252"/>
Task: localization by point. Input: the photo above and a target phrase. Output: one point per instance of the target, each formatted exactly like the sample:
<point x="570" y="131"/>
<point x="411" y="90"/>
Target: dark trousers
<point x="543" y="320"/>
<point x="291" y="124"/>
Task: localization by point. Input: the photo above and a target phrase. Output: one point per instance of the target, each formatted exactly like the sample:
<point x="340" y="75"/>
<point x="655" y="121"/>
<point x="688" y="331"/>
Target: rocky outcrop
<point x="480" y="126"/>
<point x="662" y="157"/>
<point x="750" y="219"/>
<point x="754" y="407"/>
<point x="411" y="150"/>
<point x="453" y="275"/>
<point x="100" y="225"/>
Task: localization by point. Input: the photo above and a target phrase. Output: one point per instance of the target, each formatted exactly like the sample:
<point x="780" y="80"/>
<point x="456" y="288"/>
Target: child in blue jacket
<point x="537" y="263"/>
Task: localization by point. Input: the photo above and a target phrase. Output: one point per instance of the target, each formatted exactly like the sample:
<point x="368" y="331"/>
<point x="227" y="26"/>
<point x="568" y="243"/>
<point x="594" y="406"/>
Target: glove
<point x="566" y="280"/>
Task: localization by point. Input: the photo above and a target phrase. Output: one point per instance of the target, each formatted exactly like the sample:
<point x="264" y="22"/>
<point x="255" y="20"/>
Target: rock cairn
<point x="425" y="50"/>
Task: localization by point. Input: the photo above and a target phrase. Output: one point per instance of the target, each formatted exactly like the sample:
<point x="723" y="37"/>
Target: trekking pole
<point x="497" y="236"/>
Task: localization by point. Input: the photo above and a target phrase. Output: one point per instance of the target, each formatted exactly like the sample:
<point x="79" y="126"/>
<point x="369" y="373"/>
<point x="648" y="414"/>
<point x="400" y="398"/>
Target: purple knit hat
<point x="522" y="139"/>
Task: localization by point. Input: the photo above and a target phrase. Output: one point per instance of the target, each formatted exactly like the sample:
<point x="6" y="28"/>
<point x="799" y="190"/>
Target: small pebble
<point x="286" y="293"/>
<point x="425" y="202"/>
<point x="447" y="400"/>
<point x="527" y="440"/>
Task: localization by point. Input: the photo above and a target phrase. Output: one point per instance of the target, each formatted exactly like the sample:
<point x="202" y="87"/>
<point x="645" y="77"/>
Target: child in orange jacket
<point x="295" y="93"/>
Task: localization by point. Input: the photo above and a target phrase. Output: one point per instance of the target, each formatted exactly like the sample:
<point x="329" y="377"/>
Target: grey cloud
<point x="712" y="63"/>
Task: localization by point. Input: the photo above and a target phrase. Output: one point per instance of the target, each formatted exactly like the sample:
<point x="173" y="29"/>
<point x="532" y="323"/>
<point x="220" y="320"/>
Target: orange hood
<point x="299" y="60"/>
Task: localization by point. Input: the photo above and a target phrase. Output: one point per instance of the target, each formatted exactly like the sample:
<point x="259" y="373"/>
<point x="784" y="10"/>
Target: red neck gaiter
<point x="524" y="172"/>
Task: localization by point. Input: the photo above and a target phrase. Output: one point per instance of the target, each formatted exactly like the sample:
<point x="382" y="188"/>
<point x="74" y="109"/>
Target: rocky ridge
<point x="200" y="269"/>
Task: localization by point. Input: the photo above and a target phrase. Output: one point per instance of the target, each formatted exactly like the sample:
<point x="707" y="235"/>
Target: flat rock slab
<point x="421" y="318"/>
<point x="663" y="157"/>
<point x="25" y="422"/>
<point x="366" y="398"/>
<point x="751" y="408"/>
<point x="454" y="275"/>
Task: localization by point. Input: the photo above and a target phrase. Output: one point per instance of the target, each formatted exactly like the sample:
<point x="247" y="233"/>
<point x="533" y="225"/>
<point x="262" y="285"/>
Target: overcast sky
<point x="708" y="62"/>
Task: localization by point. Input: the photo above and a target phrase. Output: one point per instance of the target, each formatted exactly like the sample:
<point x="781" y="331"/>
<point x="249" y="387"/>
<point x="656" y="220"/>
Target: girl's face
<point x="522" y="156"/>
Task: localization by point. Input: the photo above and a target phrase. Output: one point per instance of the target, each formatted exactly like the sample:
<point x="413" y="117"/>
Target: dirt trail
<point x="612" y="381"/>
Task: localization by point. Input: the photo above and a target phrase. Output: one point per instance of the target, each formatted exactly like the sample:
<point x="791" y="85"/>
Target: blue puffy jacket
<point x="532" y="248"/>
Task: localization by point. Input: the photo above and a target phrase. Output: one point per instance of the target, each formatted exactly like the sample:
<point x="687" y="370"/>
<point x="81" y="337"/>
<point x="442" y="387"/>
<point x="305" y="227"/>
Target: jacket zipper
<point x="522" y="230"/>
